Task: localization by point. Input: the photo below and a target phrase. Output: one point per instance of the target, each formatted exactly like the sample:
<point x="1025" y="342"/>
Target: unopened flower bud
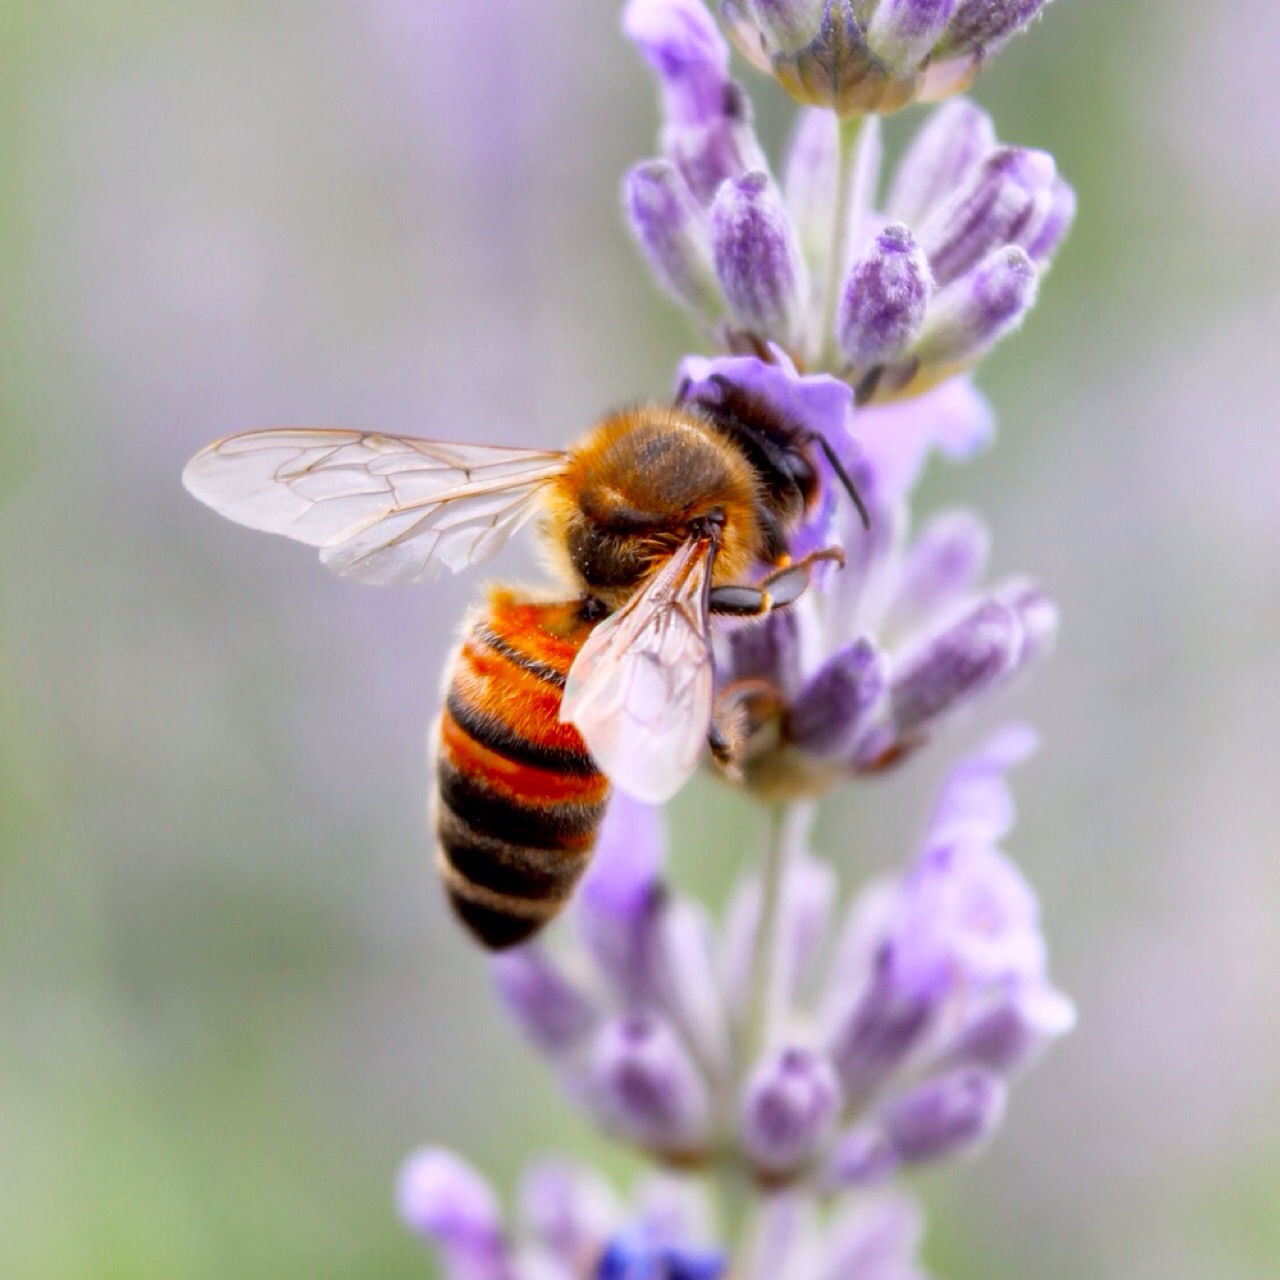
<point x="944" y="1116"/>
<point x="550" y="1010"/>
<point x="972" y="314"/>
<point x="444" y="1200"/>
<point x="788" y="1109"/>
<point x="993" y="205"/>
<point x="953" y="666"/>
<point x="646" y="1087"/>
<point x="1042" y="241"/>
<point x="951" y="142"/>
<point x="827" y="715"/>
<point x="568" y="1209"/>
<point x="1010" y="1034"/>
<point x="756" y="255"/>
<point x="671" y="231"/>
<point x="884" y="300"/>
<point x="984" y="26"/>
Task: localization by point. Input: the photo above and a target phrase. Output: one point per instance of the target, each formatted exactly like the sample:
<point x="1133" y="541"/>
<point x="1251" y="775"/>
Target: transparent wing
<point x="381" y="508"/>
<point x="640" y="689"/>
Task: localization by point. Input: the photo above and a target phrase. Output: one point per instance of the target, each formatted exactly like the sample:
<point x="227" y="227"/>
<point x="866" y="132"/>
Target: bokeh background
<point x="229" y="997"/>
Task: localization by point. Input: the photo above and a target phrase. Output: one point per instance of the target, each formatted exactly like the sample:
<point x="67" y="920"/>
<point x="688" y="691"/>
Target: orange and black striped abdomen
<point x="520" y="799"/>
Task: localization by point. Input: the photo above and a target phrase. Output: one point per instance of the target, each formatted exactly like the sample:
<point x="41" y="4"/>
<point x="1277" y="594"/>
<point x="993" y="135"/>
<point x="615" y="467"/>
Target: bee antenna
<point x="838" y="467"/>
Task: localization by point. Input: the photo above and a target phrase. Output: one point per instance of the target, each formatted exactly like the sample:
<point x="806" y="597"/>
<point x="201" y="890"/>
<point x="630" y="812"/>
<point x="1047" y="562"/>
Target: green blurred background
<point x="230" y="1000"/>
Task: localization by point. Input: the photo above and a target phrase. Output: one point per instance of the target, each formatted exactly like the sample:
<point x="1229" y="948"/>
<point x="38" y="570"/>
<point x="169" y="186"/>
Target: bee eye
<point x="802" y="472"/>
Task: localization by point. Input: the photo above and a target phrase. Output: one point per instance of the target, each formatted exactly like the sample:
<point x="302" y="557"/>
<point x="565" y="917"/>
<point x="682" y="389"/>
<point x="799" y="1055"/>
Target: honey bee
<point x="660" y="516"/>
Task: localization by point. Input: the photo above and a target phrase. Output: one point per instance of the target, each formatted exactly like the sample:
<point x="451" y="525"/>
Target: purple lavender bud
<point x="645" y="1086"/>
<point x="549" y="1009"/>
<point x="1042" y="241"/>
<point x="944" y="1116"/>
<point x="954" y="666"/>
<point x="680" y="42"/>
<point x="568" y="1209"/>
<point x="444" y="1200"/>
<point x="881" y="1030"/>
<point x="810" y="180"/>
<point x="942" y="154"/>
<point x="621" y="897"/>
<point x="985" y="25"/>
<point x="671" y="231"/>
<point x="723" y="146"/>
<point x="756" y="256"/>
<point x="902" y="32"/>
<point x="972" y="314"/>
<point x="1009" y="1035"/>
<point x="862" y="1158"/>
<point x="993" y="205"/>
<point x="875" y="1240"/>
<point x="789" y="1108"/>
<point x="884" y="300"/>
<point x="943" y="564"/>
<point x="769" y="651"/>
<point x="827" y="716"/>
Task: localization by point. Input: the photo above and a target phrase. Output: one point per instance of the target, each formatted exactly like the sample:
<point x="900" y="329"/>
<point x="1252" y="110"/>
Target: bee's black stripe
<point x="492" y="733"/>
<point x="496" y="929"/>
<point x="488" y="637"/>
<point x="531" y="875"/>
<point x="536" y="826"/>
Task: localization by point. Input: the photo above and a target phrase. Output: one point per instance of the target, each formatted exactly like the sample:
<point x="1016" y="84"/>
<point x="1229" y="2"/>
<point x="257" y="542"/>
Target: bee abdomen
<point x="519" y="798"/>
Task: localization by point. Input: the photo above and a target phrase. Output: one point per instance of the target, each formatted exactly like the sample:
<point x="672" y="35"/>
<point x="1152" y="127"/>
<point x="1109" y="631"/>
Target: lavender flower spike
<point x="857" y="56"/>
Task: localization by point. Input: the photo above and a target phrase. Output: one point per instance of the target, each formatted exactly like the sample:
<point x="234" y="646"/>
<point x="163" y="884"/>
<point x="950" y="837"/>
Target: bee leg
<point x="782" y="587"/>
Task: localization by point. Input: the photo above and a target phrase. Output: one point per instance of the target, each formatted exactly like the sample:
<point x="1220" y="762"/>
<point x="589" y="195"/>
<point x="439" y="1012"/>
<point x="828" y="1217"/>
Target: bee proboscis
<point x="660" y="516"/>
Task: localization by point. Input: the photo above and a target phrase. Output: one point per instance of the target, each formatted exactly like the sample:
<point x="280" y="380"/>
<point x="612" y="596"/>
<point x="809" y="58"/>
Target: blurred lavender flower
<point x="856" y="56"/>
<point x="857" y="675"/>
<point x="894" y="302"/>
<point x="571" y="1225"/>
<point x="936" y="993"/>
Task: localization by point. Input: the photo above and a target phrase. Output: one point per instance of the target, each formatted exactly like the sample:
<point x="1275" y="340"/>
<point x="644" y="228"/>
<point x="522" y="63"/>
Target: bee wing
<point x="381" y="508"/>
<point x="640" y="689"/>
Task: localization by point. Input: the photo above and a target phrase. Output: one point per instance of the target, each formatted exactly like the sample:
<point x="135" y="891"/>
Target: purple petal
<point x="789" y="1107"/>
<point x="944" y="1116"/>
<point x="1011" y="1033"/>
<point x="671" y="231"/>
<point x="862" y="1158"/>
<point x="884" y="300"/>
<point x="876" y="1240"/>
<point x="894" y="440"/>
<point x="942" y="566"/>
<point x="975" y="801"/>
<point x="549" y="1008"/>
<point x="443" y="1199"/>
<point x="942" y="154"/>
<point x="757" y="257"/>
<point x="680" y="41"/>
